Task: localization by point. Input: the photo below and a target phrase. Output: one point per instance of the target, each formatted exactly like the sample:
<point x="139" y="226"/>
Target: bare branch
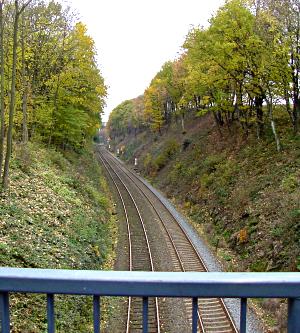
<point x="24" y="6"/>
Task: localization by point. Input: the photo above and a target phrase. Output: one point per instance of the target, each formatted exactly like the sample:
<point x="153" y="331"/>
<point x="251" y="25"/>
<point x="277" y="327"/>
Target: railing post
<point x="96" y="313"/>
<point x="4" y="313"/>
<point x="243" y="315"/>
<point x="195" y="315"/>
<point x="145" y="314"/>
<point x="50" y="313"/>
<point x="294" y="315"/>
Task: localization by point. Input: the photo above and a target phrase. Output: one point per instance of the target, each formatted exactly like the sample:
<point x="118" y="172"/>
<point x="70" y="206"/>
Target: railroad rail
<point x="140" y="258"/>
<point x="212" y="313"/>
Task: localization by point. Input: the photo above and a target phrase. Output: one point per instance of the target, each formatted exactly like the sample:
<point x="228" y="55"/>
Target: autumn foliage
<point x="50" y="82"/>
<point x="243" y="69"/>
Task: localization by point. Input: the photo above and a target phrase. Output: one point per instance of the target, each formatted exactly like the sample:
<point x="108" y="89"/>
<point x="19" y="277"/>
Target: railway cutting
<point x="151" y="239"/>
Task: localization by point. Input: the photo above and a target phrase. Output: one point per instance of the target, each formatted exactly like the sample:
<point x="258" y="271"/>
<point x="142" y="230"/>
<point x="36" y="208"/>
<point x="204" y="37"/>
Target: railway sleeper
<point x="220" y="317"/>
<point x="220" y="330"/>
<point x="212" y="306"/>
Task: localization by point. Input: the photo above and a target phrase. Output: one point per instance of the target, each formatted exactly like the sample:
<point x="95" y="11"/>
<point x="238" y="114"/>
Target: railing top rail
<point x="160" y="284"/>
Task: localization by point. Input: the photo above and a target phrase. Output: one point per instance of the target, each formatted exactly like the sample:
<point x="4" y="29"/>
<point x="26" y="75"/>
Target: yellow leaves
<point x="95" y="249"/>
<point x="101" y="90"/>
<point x="206" y="100"/>
<point x="242" y="236"/>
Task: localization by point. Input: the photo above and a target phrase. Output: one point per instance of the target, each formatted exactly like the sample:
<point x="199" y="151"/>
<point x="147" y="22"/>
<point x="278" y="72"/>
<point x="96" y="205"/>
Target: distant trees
<point x="128" y="117"/>
<point x="239" y="68"/>
<point x="164" y="96"/>
<point x="49" y="79"/>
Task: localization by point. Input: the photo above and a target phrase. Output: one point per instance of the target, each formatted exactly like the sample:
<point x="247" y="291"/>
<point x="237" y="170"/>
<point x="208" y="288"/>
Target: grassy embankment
<point x="239" y="192"/>
<point x="57" y="214"/>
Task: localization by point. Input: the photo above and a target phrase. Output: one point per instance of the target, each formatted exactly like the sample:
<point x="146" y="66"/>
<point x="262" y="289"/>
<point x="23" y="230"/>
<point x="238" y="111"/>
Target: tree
<point x="127" y="117"/>
<point x="2" y="125"/>
<point x="24" y="85"/>
<point x="77" y="90"/>
<point x="178" y="90"/>
<point x="231" y="65"/>
<point x="56" y="92"/>
<point x="287" y="15"/>
<point x="18" y="12"/>
<point x="154" y="100"/>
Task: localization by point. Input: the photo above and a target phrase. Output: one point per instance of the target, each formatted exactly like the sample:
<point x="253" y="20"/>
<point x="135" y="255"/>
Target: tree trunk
<point x="182" y="123"/>
<point x="288" y="106"/>
<point x="12" y="99"/>
<point x="259" y="116"/>
<point x="2" y="126"/>
<point x="270" y="109"/>
<point x="295" y="79"/>
<point x="24" y="111"/>
<point x="227" y="121"/>
<point x="296" y="101"/>
<point x="218" y="124"/>
<point x="296" y="109"/>
<point x="12" y="92"/>
<point x="25" y="88"/>
<point x="55" y="110"/>
<point x="239" y="102"/>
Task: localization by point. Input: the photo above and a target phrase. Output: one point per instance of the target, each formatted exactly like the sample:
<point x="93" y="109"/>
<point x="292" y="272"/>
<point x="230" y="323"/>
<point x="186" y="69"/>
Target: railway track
<point x="140" y="256"/>
<point x="213" y="315"/>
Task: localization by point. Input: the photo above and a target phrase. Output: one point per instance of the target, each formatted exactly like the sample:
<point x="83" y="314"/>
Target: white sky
<point x="134" y="38"/>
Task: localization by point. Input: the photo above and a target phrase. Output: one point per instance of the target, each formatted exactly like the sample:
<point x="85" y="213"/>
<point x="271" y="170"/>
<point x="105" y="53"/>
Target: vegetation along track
<point x="212" y="313"/>
<point x="140" y="257"/>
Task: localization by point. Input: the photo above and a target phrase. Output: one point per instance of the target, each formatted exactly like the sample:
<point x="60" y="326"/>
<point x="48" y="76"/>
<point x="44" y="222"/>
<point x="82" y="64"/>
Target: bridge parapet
<point x="149" y="284"/>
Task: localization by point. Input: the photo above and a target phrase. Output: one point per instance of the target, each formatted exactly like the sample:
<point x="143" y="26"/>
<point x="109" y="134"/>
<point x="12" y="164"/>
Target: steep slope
<point x="57" y="214"/>
<point x="240" y="191"/>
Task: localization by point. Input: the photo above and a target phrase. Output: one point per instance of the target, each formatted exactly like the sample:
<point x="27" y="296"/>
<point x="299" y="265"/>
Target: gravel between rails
<point x="172" y="318"/>
<point x="253" y="324"/>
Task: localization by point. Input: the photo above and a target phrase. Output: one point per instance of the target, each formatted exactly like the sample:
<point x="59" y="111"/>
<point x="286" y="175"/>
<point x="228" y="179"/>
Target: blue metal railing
<point x="149" y="284"/>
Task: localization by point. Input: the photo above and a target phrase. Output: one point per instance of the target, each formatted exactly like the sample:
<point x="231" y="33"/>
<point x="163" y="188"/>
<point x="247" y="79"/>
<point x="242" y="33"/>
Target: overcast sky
<point x="135" y="37"/>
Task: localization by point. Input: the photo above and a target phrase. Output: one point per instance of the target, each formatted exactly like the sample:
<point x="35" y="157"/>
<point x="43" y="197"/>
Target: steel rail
<point x="169" y="236"/>
<point x="184" y="232"/>
<point x="129" y="238"/>
<point x="146" y="238"/>
<point x="202" y="326"/>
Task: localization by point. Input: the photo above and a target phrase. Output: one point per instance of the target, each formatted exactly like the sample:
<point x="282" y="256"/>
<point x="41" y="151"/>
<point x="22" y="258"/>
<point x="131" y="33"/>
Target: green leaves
<point x="65" y="89"/>
<point x="127" y="117"/>
<point x="246" y="59"/>
<point x="77" y="91"/>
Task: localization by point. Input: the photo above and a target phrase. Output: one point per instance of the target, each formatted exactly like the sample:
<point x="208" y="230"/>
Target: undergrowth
<point x="242" y="191"/>
<point x="56" y="214"/>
